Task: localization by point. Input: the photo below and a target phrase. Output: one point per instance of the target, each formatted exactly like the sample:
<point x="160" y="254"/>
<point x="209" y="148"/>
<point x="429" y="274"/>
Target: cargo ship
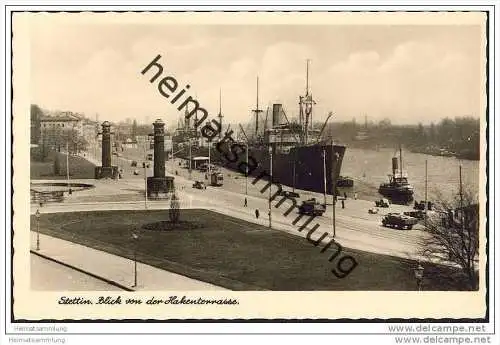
<point x="293" y="153"/>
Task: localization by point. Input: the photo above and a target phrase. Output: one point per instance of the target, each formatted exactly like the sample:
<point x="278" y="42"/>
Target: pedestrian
<point x="246" y="202"/>
<point x="257" y="214"/>
<point x="355" y="196"/>
<point x="343" y="204"/>
<point x="345" y="195"/>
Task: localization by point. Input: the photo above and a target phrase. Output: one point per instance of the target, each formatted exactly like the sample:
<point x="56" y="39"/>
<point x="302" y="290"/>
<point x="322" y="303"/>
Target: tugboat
<point x="398" y="188"/>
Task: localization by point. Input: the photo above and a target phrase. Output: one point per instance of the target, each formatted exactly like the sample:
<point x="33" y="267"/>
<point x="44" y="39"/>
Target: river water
<point x="369" y="168"/>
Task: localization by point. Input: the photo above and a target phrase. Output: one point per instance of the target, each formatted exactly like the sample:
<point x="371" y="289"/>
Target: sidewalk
<point x="114" y="269"/>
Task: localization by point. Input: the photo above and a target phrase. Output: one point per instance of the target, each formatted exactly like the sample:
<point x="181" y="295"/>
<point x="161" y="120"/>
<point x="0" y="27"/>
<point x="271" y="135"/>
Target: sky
<point x="408" y="74"/>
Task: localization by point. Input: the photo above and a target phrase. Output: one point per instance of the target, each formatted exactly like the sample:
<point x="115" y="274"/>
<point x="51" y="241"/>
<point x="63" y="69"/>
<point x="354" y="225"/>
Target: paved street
<point x="47" y="275"/>
<point x="355" y="228"/>
<point x="117" y="269"/>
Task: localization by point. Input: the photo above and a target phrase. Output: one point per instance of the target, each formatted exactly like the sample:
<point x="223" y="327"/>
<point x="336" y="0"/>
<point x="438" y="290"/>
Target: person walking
<point x="257" y="214"/>
<point x="343" y="204"/>
<point x="355" y="196"/>
<point x="246" y="202"/>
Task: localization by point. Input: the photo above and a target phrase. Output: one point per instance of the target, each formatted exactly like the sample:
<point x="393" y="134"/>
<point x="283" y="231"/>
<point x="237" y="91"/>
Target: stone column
<point x="159" y="148"/>
<point x="106" y="144"/>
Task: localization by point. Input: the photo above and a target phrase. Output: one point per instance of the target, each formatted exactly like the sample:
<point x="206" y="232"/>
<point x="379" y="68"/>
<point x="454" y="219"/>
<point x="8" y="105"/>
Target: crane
<point x="330" y="114"/>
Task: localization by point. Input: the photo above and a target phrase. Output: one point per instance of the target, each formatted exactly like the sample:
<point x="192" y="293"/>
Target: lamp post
<point x="425" y="202"/>
<point x="419" y="275"/>
<point x="67" y="164"/>
<point x="324" y="177"/>
<point x="135" y="237"/>
<point x="246" y="171"/>
<point x="334" y="192"/>
<point x="209" y="158"/>
<point x="271" y="180"/>
<point x="37" y="215"/>
<point x="190" y="157"/>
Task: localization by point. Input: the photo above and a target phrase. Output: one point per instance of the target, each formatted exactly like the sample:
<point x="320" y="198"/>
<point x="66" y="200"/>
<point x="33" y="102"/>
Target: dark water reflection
<point x="369" y="168"/>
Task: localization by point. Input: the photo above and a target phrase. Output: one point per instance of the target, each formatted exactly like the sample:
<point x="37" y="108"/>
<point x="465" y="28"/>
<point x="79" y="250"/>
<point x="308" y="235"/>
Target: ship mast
<point x="305" y="110"/>
<point x="257" y="111"/>
<point x="401" y="162"/>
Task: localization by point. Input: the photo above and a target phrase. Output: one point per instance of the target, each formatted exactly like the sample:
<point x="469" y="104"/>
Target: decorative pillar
<point x="106" y="144"/>
<point x="159" y="185"/>
<point x="106" y="170"/>
<point x="159" y="148"/>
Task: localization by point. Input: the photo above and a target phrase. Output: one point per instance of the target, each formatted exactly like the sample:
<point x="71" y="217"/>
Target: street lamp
<point x="419" y="275"/>
<point x="37" y="215"/>
<point x="334" y="191"/>
<point x="135" y="237"/>
<point x="145" y="166"/>
<point x="246" y="170"/>
<point x="209" y="140"/>
<point x="271" y="180"/>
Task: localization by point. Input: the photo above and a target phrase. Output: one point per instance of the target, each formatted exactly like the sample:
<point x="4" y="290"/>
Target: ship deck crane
<point x="243" y="131"/>
<point x="330" y="114"/>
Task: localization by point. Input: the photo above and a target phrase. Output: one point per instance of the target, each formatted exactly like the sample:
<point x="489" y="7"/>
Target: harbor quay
<point x="355" y="227"/>
<point x="358" y="233"/>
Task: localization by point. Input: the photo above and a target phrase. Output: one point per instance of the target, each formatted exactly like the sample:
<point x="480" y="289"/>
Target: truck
<point x="399" y="221"/>
<point x="216" y="179"/>
<point x="312" y="207"/>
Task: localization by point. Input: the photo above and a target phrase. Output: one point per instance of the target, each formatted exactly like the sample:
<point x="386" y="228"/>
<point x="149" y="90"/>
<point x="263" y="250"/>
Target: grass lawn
<point x="79" y="168"/>
<point x="235" y="254"/>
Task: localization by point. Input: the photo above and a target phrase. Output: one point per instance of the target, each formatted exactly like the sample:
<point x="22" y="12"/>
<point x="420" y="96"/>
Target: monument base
<point x="160" y="187"/>
<point x="106" y="172"/>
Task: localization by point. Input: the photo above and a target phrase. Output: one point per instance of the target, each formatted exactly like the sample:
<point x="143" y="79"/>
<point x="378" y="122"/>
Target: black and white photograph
<point x="250" y="165"/>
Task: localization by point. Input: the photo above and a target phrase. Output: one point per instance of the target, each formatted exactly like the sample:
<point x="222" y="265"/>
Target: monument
<point x="106" y="170"/>
<point x="159" y="185"/>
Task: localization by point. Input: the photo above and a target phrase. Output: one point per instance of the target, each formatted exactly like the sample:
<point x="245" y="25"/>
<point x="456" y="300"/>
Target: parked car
<point x="419" y="214"/>
<point x="136" y="172"/>
<point x="373" y="210"/>
<point x="199" y="185"/>
<point x="289" y="194"/>
<point x="382" y="203"/>
<point x="398" y="221"/>
<point x="312" y="208"/>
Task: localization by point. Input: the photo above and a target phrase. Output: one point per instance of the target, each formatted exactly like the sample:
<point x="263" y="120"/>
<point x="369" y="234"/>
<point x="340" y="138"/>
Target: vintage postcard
<point x="265" y="165"/>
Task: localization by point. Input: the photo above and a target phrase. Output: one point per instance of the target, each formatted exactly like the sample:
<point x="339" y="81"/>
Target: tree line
<point x="459" y="136"/>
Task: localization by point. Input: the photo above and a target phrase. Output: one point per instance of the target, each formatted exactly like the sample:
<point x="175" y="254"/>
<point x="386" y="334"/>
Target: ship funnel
<point x="276" y="114"/>
<point x="394" y="165"/>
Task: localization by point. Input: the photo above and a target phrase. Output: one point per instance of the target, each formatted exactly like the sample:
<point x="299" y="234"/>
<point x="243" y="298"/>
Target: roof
<point x="200" y="158"/>
<point x="60" y="116"/>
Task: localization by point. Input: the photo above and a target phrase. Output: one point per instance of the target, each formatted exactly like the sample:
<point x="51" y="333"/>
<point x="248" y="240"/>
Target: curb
<point x="110" y="282"/>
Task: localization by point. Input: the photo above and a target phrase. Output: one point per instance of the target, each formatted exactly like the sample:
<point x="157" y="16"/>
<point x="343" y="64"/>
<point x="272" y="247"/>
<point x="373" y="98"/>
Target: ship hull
<point x="396" y="193"/>
<point x="305" y="161"/>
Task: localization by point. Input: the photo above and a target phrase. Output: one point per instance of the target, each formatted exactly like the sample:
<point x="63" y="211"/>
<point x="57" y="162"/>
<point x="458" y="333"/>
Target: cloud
<point x="97" y="70"/>
<point x="417" y="81"/>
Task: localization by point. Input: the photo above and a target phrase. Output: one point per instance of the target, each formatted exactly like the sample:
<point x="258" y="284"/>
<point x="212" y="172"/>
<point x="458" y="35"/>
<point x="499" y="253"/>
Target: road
<point x="47" y="275"/>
